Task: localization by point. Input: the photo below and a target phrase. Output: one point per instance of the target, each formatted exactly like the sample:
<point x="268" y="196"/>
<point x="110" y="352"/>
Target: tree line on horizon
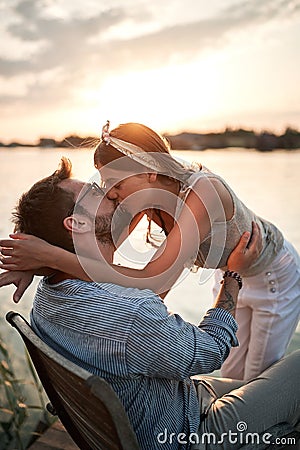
<point x="263" y="141"/>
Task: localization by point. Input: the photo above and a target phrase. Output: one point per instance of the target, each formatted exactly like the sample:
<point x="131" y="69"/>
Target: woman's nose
<point x="112" y="194"/>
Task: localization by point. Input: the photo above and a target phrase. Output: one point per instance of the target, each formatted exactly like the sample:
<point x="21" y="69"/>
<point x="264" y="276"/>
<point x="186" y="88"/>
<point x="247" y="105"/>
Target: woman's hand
<point x="20" y="279"/>
<point x="24" y="252"/>
<point x="247" y="251"/>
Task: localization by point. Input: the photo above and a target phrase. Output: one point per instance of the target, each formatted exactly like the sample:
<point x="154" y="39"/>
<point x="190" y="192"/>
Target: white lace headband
<point x="131" y="150"/>
<point x="169" y="166"/>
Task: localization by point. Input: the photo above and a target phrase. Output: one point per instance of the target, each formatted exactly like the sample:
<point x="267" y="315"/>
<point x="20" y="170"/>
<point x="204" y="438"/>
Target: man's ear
<point x="77" y="224"/>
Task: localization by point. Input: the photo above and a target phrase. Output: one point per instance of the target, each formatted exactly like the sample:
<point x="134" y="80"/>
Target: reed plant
<point x="16" y="413"/>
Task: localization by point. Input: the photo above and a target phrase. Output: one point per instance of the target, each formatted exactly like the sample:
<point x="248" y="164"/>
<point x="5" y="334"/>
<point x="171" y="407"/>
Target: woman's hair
<point x="135" y="133"/>
<point x="149" y="142"/>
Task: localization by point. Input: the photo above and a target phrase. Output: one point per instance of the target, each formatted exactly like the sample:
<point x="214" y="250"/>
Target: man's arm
<point x="228" y="295"/>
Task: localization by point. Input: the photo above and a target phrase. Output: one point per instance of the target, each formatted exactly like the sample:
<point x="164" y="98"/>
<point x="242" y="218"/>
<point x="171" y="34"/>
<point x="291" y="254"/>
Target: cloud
<point x="85" y="48"/>
<point x="183" y="41"/>
<point x="61" y="41"/>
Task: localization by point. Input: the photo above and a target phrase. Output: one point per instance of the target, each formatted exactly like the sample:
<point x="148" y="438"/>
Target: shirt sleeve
<point x="162" y="344"/>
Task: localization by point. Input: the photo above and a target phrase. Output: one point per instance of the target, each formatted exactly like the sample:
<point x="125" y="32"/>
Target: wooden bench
<point x="87" y="406"/>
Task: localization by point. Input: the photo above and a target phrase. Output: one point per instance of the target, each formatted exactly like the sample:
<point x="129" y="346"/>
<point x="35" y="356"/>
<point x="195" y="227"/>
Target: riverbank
<point x="229" y="138"/>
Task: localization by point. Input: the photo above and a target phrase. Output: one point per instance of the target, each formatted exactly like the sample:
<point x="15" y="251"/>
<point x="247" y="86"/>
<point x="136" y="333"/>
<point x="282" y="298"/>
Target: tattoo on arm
<point x="227" y="298"/>
<point x="227" y="303"/>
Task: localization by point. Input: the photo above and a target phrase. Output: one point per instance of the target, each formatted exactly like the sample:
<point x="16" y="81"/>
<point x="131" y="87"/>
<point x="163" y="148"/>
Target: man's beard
<point x="121" y="221"/>
<point x="103" y="229"/>
<point x="109" y="227"/>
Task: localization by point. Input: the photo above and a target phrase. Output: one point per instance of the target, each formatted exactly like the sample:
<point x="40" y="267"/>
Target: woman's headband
<point x="162" y="163"/>
<point x="131" y="150"/>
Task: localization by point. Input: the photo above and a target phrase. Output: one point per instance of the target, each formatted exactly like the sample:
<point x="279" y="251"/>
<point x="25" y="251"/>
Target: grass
<point x="16" y="430"/>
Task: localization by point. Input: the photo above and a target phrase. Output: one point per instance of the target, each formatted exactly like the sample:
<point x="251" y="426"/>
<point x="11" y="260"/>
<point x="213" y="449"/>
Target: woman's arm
<point x="16" y="257"/>
<point x="159" y="274"/>
<point x="22" y="279"/>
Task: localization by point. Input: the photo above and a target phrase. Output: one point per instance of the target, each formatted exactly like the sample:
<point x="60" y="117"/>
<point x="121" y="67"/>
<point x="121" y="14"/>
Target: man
<point x="128" y="337"/>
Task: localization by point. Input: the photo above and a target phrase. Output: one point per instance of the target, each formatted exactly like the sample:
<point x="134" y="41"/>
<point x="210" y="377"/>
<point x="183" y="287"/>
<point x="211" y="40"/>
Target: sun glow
<point x="164" y="98"/>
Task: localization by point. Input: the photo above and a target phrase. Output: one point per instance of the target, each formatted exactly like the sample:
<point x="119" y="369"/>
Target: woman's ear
<point x="77" y="224"/>
<point x="152" y="177"/>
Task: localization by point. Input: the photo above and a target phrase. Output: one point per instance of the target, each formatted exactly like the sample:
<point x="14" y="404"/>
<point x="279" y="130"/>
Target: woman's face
<point x="120" y="185"/>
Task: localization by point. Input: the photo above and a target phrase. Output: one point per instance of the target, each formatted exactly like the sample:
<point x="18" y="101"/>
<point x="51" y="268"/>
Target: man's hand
<point x="247" y="251"/>
<point x="23" y="252"/>
<point x="244" y="254"/>
<point x="20" y="279"/>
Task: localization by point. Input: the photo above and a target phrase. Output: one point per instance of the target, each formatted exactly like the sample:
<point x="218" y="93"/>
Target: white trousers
<point x="267" y="313"/>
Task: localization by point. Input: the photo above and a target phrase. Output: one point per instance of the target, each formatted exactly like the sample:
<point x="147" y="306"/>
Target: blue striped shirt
<point x="146" y="353"/>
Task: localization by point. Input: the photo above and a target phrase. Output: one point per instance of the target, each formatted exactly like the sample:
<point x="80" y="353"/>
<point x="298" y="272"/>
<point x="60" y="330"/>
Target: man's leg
<point x="242" y="414"/>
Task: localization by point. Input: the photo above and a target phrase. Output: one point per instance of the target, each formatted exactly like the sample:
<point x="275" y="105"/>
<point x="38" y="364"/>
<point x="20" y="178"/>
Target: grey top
<point x="215" y="249"/>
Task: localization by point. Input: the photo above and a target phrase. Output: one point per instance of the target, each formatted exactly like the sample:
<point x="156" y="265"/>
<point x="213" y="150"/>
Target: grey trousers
<point x="236" y="414"/>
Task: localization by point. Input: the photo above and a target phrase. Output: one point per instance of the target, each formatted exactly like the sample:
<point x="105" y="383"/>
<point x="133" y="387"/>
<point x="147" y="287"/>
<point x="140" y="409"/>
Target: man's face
<point x="97" y="207"/>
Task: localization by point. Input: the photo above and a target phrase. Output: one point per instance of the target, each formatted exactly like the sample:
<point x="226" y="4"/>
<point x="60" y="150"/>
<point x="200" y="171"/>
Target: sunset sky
<point x="194" y="65"/>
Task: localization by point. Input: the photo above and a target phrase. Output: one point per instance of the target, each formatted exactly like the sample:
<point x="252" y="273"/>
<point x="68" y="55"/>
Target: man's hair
<point x="42" y="209"/>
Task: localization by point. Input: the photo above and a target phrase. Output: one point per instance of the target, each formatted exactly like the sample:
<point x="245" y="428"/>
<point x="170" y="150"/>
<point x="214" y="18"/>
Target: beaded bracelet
<point x="235" y="275"/>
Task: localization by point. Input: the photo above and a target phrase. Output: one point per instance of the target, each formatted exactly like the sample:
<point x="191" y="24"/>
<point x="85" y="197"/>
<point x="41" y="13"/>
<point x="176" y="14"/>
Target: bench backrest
<point x="86" y="404"/>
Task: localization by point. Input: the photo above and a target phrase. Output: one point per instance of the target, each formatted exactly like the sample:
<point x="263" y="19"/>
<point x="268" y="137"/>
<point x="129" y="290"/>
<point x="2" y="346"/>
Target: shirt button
<point x="268" y="274"/>
<point x="273" y="290"/>
<point x="272" y="282"/>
